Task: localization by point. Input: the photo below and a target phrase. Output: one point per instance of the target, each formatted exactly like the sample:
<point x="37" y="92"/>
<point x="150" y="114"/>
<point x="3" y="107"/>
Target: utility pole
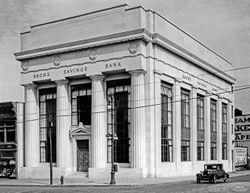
<point x="112" y="181"/>
<point x="50" y="120"/>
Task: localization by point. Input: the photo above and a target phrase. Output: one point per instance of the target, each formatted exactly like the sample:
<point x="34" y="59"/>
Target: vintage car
<point x="212" y="173"/>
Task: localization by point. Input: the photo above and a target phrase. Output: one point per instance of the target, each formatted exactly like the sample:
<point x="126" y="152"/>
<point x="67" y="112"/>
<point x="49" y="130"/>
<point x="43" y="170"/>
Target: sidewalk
<point x="104" y="182"/>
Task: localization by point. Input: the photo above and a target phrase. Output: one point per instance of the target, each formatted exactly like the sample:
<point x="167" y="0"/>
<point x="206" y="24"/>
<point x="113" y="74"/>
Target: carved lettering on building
<point x="188" y="78"/>
<point x="201" y="84"/>
<point x="76" y="70"/>
<point x="113" y="65"/>
<point x="42" y="75"/>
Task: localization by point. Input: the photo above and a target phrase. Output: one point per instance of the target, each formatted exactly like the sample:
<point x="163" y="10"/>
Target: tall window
<point x="224" y="131"/>
<point x="118" y="95"/>
<point x="213" y="125"/>
<point x="81" y="104"/>
<point x="200" y="128"/>
<point x="166" y="124"/>
<point x="47" y="111"/>
<point x="185" y="125"/>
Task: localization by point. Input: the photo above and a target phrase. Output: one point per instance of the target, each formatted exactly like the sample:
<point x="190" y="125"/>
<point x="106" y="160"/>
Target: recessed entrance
<point x="82" y="155"/>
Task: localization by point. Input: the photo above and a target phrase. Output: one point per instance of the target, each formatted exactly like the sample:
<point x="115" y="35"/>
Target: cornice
<point x="167" y="44"/>
<point x="84" y="44"/>
<point x="83" y="63"/>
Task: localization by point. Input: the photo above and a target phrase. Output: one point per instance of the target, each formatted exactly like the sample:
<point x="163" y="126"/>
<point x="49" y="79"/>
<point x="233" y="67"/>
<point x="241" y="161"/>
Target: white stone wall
<point x="139" y="44"/>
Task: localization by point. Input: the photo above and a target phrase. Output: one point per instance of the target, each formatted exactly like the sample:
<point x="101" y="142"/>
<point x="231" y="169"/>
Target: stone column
<point x="32" y="148"/>
<point x="219" y="129"/>
<point x="138" y="119"/>
<point x="152" y="91"/>
<point x="193" y="125"/>
<point x="177" y="124"/>
<point x="63" y="123"/>
<point x="207" y="128"/>
<point x="99" y="122"/>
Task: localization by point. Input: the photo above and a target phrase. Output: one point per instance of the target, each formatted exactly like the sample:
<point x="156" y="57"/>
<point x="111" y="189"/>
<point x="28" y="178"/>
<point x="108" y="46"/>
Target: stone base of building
<point x="163" y="170"/>
<point x="95" y="173"/>
<point x="40" y="172"/>
<point x="171" y="169"/>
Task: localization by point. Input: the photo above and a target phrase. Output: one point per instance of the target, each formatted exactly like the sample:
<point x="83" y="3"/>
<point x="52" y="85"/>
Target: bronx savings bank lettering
<point x="75" y="70"/>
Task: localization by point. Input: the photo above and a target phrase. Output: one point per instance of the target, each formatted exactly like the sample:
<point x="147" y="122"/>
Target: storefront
<point x="10" y="120"/>
<point x="164" y="95"/>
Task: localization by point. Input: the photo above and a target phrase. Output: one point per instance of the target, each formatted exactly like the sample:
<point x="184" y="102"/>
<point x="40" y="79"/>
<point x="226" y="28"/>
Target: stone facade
<point x="121" y="43"/>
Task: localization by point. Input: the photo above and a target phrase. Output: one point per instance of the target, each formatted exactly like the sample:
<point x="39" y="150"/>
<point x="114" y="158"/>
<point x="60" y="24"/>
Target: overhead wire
<point x="144" y="106"/>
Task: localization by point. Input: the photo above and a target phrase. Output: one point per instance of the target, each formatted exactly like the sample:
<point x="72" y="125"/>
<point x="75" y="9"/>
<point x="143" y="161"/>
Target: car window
<point x="211" y="167"/>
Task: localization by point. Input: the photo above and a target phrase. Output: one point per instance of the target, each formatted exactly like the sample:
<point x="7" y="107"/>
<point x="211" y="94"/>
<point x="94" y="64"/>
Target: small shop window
<point x="185" y="150"/>
<point x="213" y="151"/>
<point x="10" y="134"/>
<point x="200" y="150"/>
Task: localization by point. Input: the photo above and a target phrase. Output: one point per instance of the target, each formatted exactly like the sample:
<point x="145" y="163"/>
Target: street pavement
<point x="239" y="183"/>
<point x="105" y="182"/>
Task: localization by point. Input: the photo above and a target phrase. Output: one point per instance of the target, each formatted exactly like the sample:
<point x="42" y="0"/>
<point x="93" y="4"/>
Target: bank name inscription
<point x="42" y="75"/>
<point x="113" y="65"/>
<point x="75" y="70"/>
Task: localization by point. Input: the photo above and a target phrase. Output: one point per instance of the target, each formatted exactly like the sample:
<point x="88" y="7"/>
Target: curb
<point x="106" y="184"/>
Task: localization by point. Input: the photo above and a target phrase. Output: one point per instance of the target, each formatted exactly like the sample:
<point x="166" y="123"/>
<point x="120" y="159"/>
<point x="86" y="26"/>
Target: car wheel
<point x="214" y="179"/>
<point x="225" y="178"/>
<point x="198" y="179"/>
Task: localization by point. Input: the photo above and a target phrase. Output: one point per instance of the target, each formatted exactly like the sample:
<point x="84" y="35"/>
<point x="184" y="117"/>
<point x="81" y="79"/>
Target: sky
<point x="222" y="25"/>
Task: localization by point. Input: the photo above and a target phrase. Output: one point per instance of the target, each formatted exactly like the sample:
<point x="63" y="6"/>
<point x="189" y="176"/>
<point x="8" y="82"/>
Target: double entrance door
<point x="82" y="155"/>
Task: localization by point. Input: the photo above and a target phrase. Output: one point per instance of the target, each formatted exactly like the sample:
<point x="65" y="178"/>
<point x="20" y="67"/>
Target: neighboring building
<point x="237" y="112"/>
<point x="166" y="95"/>
<point x="11" y="138"/>
<point x="242" y="131"/>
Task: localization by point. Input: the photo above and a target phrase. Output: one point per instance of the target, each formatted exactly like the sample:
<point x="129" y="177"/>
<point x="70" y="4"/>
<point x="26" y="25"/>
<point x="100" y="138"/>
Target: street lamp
<point x="113" y="137"/>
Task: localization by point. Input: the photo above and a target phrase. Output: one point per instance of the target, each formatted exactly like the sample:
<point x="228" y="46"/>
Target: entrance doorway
<point x="82" y="155"/>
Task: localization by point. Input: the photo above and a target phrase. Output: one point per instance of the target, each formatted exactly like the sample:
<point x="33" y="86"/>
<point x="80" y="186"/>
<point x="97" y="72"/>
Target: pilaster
<point x="138" y="119"/>
<point x="207" y="127"/>
<point x="157" y="112"/>
<point x="32" y="149"/>
<point x="177" y="124"/>
<point x="98" y="123"/>
<point x="193" y="126"/>
<point x="219" y="129"/>
<point x="63" y="124"/>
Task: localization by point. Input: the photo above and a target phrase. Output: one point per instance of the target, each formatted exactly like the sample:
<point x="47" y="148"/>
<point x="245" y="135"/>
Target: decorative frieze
<point x="93" y="54"/>
<point x="133" y="48"/>
<point x="25" y="66"/>
<point x="57" y="60"/>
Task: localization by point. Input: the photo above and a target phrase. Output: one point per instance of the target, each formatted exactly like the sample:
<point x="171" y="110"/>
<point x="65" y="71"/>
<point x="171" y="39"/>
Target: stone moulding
<point x="84" y="44"/>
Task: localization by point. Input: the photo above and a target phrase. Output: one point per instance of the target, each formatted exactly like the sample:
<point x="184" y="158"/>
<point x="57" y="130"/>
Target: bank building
<point x="167" y="98"/>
